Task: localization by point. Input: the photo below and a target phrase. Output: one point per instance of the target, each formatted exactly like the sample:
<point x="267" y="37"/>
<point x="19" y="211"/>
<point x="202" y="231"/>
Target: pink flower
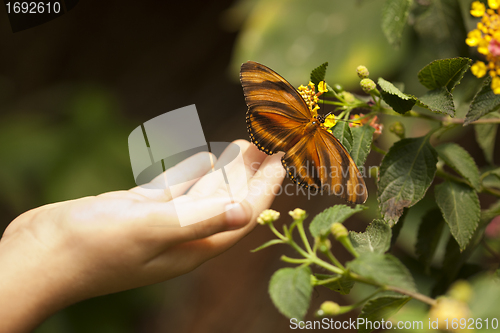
<point x="494" y="48"/>
<point x="493" y="229"/>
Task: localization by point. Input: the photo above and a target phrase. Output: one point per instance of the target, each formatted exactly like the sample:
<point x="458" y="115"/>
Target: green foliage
<point x="438" y="100"/>
<point x="461" y="211"/>
<point x="380" y="308"/>
<point x="376" y="238"/>
<point x="399" y="101"/>
<point x="320" y="225"/>
<point x="338" y="282"/>
<point x="444" y="73"/>
<point x="268" y="244"/>
<point x="459" y="160"/>
<point x="384" y="269"/>
<point x="362" y="137"/>
<point x="429" y="234"/>
<point x="484" y="102"/>
<point x="342" y="132"/>
<point x="290" y="290"/>
<point x="406" y="173"/>
<point x="486" y="136"/>
<point x="394" y="17"/>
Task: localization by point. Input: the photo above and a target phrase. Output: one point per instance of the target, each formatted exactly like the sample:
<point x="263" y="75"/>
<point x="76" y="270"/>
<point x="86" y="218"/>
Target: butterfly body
<point x="278" y="119"/>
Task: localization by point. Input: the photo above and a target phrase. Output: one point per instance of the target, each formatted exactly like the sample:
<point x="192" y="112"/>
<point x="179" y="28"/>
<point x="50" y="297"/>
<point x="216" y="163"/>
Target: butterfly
<point x="278" y="119"/>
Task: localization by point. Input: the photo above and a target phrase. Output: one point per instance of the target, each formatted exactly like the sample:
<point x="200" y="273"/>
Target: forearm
<point x="30" y="287"/>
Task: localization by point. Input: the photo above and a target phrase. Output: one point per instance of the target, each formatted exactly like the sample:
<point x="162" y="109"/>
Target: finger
<point x="264" y="184"/>
<point x="232" y="179"/>
<point x="178" y="179"/>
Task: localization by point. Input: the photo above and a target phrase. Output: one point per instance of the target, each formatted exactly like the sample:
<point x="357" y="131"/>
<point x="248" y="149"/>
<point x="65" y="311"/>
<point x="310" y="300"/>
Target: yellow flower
<point x="268" y="216"/>
<point x="478" y="69"/>
<point x="483" y="47"/>
<point x="474" y="37"/>
<point x="493" y="4"/>
<point x="355" y="121"/>
<point x="322" y="87"/>
<point x="495" y="85"/>
<point x="298" y="214"/>
<point x="330" y="121"/>
<point x="478" y="9"/>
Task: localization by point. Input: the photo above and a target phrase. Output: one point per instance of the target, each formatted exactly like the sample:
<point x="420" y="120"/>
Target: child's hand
<point x="62" y="253"/>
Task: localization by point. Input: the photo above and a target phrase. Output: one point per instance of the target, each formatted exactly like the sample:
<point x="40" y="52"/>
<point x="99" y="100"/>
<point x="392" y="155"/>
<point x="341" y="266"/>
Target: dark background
<point x="71" y="91"/>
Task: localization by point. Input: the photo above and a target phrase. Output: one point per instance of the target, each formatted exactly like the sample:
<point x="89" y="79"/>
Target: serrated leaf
<point x="383" y="268"/>
<point x="459" y="205"/>
<point x="318" y="74"/>
<point x="396" y="228"/>
<point x="459" y="160"/>
<point x="438" y="100"/>
<point x="444" y="73"/>
<point x="380" y="308"/>
<point x="376" y="238"/>
<point x="406" y="172"/>
<point x="342" y="283"/>
<point x="486" y="136"/>
<point x="399" y="101"/>
<point x="429" y="234"/>
<point x="394" y="17"/>
<point x="483" y="103"/>
<point x="362" y="137"/>
<point x="267" y="244"/>
<point x="290" y="290"/>
<point x="320" y="225"/>
<point x="342" y="132"/>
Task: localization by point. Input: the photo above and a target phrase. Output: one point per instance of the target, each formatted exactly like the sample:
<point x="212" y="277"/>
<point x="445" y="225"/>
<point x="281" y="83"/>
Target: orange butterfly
<point x="278" y="119"/>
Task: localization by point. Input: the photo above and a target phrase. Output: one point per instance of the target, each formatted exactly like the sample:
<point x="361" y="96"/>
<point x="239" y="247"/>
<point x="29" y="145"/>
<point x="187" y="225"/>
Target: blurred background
<point x="72" y="90"/>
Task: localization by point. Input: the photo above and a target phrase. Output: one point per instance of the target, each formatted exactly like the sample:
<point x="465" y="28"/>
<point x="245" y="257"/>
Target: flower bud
<point x="338" y="231"/>
<point x="398" y="129"/>
<point x="374" y="172"/>
<point x="338" y="88"/>
<point x="329" y="308"/>
<point x="362" y="72"/>
<point x="446" y="310"/>
<point x="268" y="216"/>
<point x="461" y="291"/>
<point x="324" y="244"/>
<point x="368" y="85"/>
<point x="298" y="214"/>
<point x="348" y="97"/>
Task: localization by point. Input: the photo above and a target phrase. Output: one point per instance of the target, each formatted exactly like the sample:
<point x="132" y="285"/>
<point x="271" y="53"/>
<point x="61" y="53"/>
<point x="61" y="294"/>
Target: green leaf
<point x="406" y="173"/>
<point x="486" y="136"/>
<point x="399" y="101"/>
<point x="459" y="205"/>
<point x="442" y="27"/>
<point x="290" y="290"/>
<point x="394" y="17"/>
<point x="444" y="73"/>
<point x="384" y="269"/>
<point x="380" y="308"/>
<point x="342" y="132"/>
<point x="429" y="234"/>
<point x="342" y="283"/>
<point x="376" y="238"/>
<point x="438" y="100"/>
<point x="267" y="244"/>
<point x="483" y="103"/>
<point x="362" y="137"/>
<point x="320" y="225"/>
<point x="318" y="74"/>
<point x="460" y="161"/>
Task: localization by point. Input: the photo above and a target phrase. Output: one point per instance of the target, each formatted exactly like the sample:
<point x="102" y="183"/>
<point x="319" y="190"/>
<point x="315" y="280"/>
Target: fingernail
<point x="236" y="216"/>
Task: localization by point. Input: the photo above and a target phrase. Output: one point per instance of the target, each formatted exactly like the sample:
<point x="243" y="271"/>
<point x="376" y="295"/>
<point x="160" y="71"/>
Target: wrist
<point x="32" y="285"/>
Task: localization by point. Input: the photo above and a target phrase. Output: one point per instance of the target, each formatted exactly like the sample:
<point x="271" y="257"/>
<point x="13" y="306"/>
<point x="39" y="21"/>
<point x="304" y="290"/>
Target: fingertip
<point x="238" y="215"/>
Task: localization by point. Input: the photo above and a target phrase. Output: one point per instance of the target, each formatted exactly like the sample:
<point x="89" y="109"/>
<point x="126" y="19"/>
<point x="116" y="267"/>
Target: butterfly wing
<point x="276" y="112"/>
<point x="320" y="162"/>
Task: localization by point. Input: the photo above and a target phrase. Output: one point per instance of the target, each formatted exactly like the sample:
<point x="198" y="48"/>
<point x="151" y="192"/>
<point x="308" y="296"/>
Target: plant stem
<point x="412" y="294"/>
<point x="378" y="150"/>
<point x="294" y="260"/>
<point x="302" y="233"/>
<point x="445" y="175"/>
<point x="334" y="260"/>
<point x="326" y="265"/>
<point x="490" y="250"/>
<point x="277" y="233"/>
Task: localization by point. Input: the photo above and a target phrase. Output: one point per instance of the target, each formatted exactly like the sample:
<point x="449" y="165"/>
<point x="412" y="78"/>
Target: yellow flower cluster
<point x="309" y="95"/>
<point x="486" y="38"/>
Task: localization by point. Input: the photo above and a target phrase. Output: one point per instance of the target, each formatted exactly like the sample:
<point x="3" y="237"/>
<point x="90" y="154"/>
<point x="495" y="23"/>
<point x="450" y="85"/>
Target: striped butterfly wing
<point x="319" y="162"/>
<point x="276" y="113"/>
